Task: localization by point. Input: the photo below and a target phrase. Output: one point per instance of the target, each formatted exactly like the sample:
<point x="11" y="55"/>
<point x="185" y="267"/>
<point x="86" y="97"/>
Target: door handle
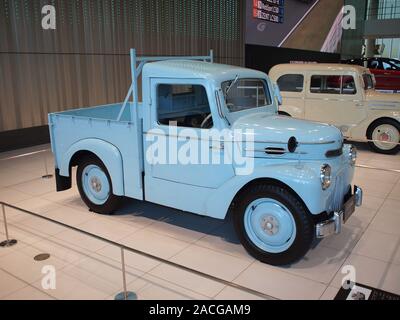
<point x="359" y="104"/>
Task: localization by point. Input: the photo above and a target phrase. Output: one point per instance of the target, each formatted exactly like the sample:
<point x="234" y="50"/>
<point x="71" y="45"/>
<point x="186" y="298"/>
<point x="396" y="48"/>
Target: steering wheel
<point x="207" y="122"/>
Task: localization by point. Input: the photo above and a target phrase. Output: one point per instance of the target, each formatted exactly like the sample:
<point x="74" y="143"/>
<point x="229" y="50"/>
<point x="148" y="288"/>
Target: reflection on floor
<point x="90" y="269"/>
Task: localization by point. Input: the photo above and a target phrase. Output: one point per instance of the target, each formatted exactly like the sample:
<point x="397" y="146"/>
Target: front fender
<point x="106" y="152"/>
<point x="303" y="179"/>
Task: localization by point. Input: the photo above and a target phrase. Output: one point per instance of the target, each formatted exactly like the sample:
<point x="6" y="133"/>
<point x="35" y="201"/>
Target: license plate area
<point x="349" y="207"/>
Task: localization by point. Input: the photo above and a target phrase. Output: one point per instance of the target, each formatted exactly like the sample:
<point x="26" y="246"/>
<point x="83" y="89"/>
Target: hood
<point x="379" y="100"/>
<point x="280" y="128"/>
<point x="274" y="131"/>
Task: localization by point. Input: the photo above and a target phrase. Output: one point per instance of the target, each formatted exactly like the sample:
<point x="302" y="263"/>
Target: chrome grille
<point x="339" y="192"/>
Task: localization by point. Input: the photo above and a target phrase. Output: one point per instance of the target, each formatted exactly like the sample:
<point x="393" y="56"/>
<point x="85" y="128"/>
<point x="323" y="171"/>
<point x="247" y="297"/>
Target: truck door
<point x="335" y="99"/>
<point x="179" y="173"/>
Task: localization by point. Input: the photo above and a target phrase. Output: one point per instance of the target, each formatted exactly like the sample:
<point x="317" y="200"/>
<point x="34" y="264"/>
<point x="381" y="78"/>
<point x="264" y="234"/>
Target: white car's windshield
<point x="244" y="94"/>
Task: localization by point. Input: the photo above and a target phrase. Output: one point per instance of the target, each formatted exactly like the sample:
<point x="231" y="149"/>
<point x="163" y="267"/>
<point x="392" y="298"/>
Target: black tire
<point x="305" y="228"/>
<point x="371" y="129"/>
<point x="113" y="202"/>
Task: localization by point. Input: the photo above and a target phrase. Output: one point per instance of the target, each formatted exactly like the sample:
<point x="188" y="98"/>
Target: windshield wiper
<point x="231" y="85"/>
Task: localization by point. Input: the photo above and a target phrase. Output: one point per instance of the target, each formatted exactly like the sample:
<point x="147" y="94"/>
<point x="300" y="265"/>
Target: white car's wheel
<point x="385" y="136"/>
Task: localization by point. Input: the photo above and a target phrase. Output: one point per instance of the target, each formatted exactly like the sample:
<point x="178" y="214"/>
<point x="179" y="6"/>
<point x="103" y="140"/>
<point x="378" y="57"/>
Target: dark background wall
<point x="353" y="40"/>
<point x="264" y="58"/>
<point x="85" y="60"/>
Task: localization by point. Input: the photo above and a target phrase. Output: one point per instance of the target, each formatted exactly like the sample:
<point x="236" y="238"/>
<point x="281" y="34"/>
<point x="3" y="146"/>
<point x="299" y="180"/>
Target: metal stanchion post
<point x="46" y="175"/>
<point x="125" y="295"/>
<point x="123" y="272"/>
<point x="7" y="242"/>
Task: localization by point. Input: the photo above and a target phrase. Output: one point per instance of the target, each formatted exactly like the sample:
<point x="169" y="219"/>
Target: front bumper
<point x="334" y="225"/>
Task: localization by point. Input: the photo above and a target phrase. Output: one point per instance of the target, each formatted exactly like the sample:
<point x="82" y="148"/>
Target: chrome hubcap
<point x="96" y="184"/>
<point x="386" y="136"/>
<point x="270" y="225"/>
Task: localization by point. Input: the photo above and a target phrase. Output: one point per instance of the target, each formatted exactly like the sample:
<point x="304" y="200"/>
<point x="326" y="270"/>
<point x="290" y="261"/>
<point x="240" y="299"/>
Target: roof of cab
<point x="197" y="69"/>
<point x="317" y="67"/>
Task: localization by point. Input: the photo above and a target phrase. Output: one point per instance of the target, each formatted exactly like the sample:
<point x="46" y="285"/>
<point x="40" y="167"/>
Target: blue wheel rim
<point x="95" y="184"/>
<point x="269" y="225"/>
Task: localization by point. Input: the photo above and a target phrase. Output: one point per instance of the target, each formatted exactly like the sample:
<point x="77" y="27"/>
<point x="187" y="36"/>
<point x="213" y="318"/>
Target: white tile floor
<point x="88" y="268"/>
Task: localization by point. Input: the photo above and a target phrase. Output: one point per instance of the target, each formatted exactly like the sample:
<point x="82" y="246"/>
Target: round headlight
<point x="353" y="155"/>
<point x="326" y="176"/>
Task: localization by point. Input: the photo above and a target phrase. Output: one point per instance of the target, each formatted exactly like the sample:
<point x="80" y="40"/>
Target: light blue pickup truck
<point x="207" y="139"/>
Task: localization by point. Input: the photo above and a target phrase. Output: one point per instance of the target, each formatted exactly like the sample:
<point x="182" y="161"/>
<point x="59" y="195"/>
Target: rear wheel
<point x="385" y="134"/>
<point x="94" y="185"/>
<point x="273" y="225"/>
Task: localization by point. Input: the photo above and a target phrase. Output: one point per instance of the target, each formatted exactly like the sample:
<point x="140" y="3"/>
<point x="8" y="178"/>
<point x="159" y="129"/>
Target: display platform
<point x="90" y="269"/>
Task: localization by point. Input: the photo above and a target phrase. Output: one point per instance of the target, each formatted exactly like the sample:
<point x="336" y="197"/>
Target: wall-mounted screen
<point x="298" y="24"/>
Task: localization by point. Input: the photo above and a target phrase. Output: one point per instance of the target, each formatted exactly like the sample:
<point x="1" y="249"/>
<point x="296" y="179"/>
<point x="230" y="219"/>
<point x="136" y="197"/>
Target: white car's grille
<point x="340" y="190"/>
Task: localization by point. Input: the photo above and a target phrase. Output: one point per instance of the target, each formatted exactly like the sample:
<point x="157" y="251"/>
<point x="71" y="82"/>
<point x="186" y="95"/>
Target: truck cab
<point x="342" y="95"/>
<point x="207" y="139"/>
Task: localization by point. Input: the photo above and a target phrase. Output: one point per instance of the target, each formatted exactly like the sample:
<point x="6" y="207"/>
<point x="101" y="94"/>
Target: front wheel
<point x="94" y="185"/>
<point x="385" y="136"/>
<point x="273" y="225"/>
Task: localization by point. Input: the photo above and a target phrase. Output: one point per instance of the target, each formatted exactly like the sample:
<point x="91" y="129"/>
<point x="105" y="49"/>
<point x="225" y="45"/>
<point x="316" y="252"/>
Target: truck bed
<point x="103" y="112"/>
<point x="86" y="126"/>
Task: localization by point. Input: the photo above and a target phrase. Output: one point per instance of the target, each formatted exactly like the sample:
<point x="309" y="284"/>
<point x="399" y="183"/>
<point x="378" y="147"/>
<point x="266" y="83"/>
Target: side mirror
<point x="277" y="94"/>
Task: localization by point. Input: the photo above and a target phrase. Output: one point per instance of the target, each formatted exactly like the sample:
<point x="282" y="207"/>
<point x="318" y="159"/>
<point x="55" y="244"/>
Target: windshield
<point x="396" y="63"/>
<point x="368" y="81"/>
<point x="244" y="94"/>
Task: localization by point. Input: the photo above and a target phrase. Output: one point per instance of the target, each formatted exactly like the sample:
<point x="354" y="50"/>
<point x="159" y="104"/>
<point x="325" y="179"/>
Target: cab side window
<point x="325" y="84"/>
<point x="183" y="105"/>
<point x="334" y="84"/>
<point x="348" y="85"/>
<point x="291" y="83"/>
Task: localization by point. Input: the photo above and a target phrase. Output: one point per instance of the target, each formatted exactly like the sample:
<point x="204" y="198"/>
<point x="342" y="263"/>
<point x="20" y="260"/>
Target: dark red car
<point x="386" y="71"/>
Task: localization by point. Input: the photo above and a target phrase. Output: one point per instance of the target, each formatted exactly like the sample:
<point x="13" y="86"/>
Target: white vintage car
<point x="342" y="95"/>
